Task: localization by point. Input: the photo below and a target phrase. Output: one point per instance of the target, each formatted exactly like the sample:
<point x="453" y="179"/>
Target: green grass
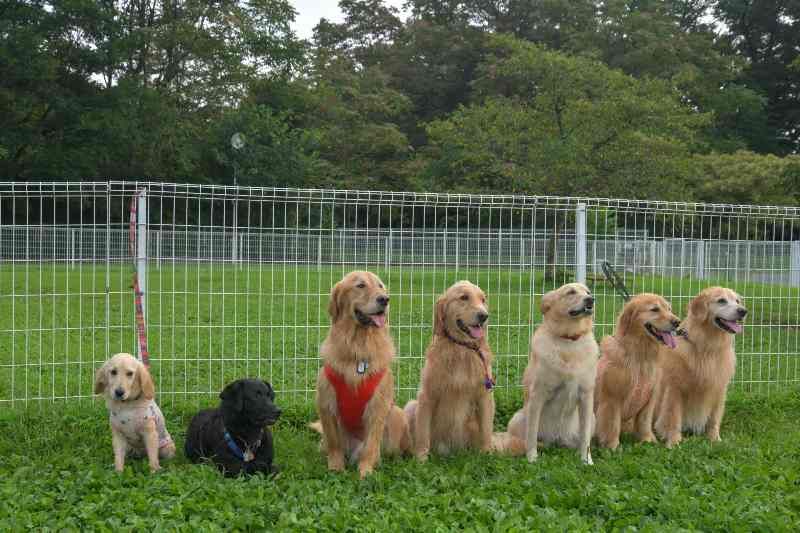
<point x="56" y="472"/>
<point x="211" y="324"/>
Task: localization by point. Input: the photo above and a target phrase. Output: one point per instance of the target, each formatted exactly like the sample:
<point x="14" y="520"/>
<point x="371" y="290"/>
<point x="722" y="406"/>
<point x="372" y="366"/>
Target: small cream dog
<point x="559" y="380"/>
<point x="137" y="424"/>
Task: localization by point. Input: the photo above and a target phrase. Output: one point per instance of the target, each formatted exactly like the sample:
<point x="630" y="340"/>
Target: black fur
<point x="245" y="410"/>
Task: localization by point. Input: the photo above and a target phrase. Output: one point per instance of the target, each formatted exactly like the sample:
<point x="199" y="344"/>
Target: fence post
<point x="795" y="264"/>
<point x="580" y="243"/>
<point x="72" y="248"/>
<point x="458" y="251"/>
<point x="141" y="251"/>
<point x="387" y="251"/>
<point x="654" y="255"/>
<point x="700" y="265"/>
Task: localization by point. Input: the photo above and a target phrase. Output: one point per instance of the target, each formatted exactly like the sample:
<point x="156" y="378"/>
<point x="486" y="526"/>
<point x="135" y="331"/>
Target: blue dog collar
<point x="247" y="455"/>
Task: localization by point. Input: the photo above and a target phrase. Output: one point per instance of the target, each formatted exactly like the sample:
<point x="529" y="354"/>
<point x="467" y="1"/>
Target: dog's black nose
<point x="382" y="300"/>
<point x="482" y="317"/>
<point x="675" y="323"/>
<point x="588" y="302"/>
<point x="119" y="393"/>
<point x="742" y="312"/>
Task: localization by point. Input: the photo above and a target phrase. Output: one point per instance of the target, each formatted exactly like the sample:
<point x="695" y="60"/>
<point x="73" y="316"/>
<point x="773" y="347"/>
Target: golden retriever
<point x="695" y="376"/>
<point x="137" y="424"/>
<point x="627" y="370"/>
<point x="355" y="387"/>
<point x="455" y="406"/>
<point x="559" y="380"/>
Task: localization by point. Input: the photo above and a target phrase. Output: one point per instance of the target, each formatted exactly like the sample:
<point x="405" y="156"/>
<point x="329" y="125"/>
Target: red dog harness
<point x="352" y="401"/>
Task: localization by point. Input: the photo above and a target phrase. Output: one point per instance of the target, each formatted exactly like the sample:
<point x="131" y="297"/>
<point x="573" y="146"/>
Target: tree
<point x="675" y="41"/>
<point x="554" y="23"/>
<point x="748" y="178"/>
<point x="766" y="33"/>
<point x="130" y="88"/>
<point x="547" y="123"/>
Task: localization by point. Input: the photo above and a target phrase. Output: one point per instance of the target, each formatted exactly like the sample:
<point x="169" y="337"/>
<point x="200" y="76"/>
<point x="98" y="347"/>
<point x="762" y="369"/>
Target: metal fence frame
<point x="240" y="276"/>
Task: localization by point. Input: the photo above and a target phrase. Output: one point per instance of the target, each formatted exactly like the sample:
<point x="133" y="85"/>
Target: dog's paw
<point x="336" y="462"/>
<point x="714" y="437"/>
<point x="673" y="441"/>
<point x="611" y="444"/>
<point x="588" y="459"/>
<point x="532" y="456"/>
<point x="421" y="455"/>
<point x="649" y="437"/>
<point x="364" y="470"/>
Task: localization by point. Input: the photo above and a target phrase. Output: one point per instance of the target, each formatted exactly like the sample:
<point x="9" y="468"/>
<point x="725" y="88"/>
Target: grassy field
<point x="56" y="473"/>
<point x="209" y="324"/>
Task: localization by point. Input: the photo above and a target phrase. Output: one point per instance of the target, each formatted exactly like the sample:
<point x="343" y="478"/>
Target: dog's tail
<point x="507" y="444"/>
<point x="316" y="426"/>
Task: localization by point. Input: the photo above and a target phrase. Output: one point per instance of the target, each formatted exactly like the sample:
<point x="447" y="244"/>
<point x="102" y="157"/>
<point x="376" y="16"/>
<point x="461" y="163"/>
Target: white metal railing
<point x="236" y="279"/>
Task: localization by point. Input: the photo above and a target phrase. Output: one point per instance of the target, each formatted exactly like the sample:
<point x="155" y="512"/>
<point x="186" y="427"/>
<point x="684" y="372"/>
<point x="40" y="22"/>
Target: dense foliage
<point x="678" y="99"/>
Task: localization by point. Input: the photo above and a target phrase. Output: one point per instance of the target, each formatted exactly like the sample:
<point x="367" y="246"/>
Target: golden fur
<point x="627" y="370"/>
<point x="124" y="373"/>
<point x="559" y="380"/>
<point x="454" y="410"/>
<point x="695" y="376"/>
<point x="355" y="338"/>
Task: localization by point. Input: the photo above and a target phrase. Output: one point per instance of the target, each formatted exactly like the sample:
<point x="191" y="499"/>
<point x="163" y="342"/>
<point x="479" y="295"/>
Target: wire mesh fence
<point x="237" y="279"/>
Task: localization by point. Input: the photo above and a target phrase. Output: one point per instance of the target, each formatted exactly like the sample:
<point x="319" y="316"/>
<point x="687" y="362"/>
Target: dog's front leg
<point x="332" y="439"/>
<point x="120" y="445"/>
<point x="422" y="426"/>
<point x="150" y="438"/>
<point x="715" y="418"/>
<point x="486" y="420"/>
<point x="376" y="423"/>
<point x="644" y="420"/>
<point x="609" y="420"/>
<point x="670" y="419"/>
<point x="536" y="400"/>
<point x="586" y="423"/>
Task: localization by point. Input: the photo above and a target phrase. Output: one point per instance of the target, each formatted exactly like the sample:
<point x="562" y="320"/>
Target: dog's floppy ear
<point x="547" y="301"/>
<point x="145" y="382"/>
<point x="439" y="315"/>
<point x="698" y="307"/>
<point x="625" y="320"/>
<point x="233" y="393"/>
<point x="101" y="379"/>
<point x="334" y="309"/>
<point x="269" y="388"/>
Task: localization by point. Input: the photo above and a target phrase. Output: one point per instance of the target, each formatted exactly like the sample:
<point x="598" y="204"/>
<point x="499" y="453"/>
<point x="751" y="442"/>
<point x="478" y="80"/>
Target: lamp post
<point x="237" y="143"/>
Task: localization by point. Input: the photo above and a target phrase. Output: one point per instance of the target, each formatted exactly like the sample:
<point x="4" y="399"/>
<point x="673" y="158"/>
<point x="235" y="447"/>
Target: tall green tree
<point x="544" y="122"/>
<point x="766" y="33"/>
<point x="130" y="88"/>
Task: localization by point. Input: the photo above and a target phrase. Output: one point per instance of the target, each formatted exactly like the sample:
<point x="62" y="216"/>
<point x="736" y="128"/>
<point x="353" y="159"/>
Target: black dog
<point x="234" y="436"/>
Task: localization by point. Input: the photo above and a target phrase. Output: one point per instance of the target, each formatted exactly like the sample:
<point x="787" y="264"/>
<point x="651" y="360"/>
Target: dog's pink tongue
<point x="735" y="326"/>
<point x="379" y="320"/>
<point x="476" y="332"/>
<point x="669" y="339"/>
